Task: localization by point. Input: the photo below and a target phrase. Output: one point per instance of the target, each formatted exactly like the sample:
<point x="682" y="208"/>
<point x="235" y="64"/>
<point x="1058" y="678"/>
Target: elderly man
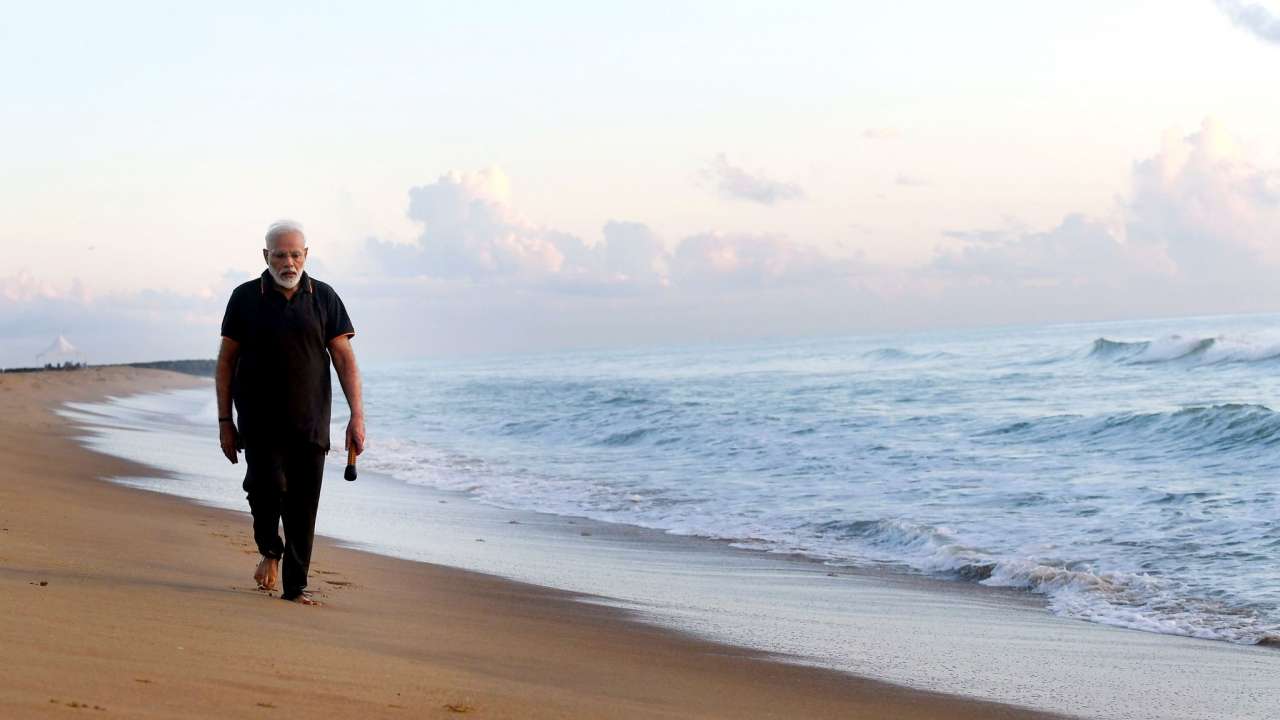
<point x="279" y="334"/>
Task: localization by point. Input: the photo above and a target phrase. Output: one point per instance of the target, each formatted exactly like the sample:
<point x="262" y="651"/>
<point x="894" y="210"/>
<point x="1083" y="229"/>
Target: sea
<point x="1128" y="472"/>
<point x="1124" y="474"/>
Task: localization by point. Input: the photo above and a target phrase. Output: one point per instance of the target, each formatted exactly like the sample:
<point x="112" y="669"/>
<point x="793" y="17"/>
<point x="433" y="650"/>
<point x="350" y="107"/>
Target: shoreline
<point x="149" y="611"/>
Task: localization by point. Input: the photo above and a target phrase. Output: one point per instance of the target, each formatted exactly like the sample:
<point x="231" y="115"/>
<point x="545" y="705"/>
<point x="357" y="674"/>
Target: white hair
<point x="280" y="228"/>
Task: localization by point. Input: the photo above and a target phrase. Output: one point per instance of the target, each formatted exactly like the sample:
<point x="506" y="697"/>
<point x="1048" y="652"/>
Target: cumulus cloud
<point x="1206" y="205"/>
<point x="743" y="260"/>
<point x="469" y="229"/>
<point x="1254" y="18"/>
<point x="735" y="183"/>
<point x="1197" y="232"/>
<point x="471" y="232"/>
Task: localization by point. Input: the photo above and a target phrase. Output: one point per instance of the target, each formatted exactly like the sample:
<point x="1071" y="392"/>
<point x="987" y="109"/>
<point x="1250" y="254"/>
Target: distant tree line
<point x="202" y="368"/>
<point x="47" y="366"/>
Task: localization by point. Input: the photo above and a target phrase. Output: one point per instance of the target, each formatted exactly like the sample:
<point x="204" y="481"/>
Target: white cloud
<point x="23" y="286"/>
<point x="741" y="260"/>
<point x="469" y="229"/>
<point x="1197" y="232"/>
<point x="472" y="233"/>
<point x="1212" y="211"/>
<point x="1253" y="17"/>
<point x="735" y="183"/>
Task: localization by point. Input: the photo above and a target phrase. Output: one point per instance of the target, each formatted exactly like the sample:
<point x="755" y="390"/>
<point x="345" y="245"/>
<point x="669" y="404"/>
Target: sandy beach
<point x="141" y="605"/>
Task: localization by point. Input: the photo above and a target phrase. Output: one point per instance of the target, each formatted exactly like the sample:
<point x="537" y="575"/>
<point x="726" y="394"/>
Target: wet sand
<point x="137" y="604"/>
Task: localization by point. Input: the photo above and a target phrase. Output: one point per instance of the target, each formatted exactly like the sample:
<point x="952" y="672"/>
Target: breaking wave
<point x="1180" y="349"/>
<point x="1074" y="589"/>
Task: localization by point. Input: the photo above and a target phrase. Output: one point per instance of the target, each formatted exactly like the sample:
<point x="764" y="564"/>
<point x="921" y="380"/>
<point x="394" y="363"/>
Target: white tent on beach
<point x="60" y="352"/>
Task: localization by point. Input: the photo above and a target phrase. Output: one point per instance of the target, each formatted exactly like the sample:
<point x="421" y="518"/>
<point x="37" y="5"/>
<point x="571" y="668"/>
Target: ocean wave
<point x="1217" y="428"/>
<point x="1180" y="349"/>
<point x="899" y="355"/>
<point x="1073" y="588"/>
<point x="627" y="437"/>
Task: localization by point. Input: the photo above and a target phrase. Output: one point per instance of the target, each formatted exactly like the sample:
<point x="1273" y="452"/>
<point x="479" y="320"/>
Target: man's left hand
<point x="355" y="434"/>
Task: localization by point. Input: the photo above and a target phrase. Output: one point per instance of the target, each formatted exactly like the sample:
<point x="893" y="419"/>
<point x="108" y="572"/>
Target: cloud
<point x="735" y="183"/>
<point x="470" y="230"/>
<point x="1195" y="233"/>
<point x="471" y="233"/>
<point x="744" y="260"/>
<point x="1210" y="209"/>
<point x="1253" y="17"/>
<point x="882" y="133"/>
<point x="1079" y="251"/>
<point x="120" y="327"/>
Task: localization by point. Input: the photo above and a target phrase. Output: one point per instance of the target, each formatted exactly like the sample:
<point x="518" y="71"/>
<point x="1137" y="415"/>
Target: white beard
<point x="282" y="282"/>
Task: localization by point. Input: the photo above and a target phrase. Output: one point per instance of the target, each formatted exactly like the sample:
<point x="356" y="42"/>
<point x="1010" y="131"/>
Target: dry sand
<point x="117" y="601"/>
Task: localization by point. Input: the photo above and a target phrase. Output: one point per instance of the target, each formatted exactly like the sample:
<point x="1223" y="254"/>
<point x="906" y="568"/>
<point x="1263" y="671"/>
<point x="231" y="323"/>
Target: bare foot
<point x="267" y="573"/>
<point x="304" y="599"/>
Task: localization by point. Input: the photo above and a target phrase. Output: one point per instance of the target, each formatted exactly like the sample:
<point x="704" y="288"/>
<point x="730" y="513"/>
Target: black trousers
<point x="283" y="484"/>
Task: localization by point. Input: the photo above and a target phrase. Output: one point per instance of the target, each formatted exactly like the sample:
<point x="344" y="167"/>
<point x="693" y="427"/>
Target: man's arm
<point x="227" y="436"/>
<point x="344" y="361"/>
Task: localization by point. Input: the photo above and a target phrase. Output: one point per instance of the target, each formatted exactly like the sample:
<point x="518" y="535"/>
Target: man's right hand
<point x="230" y="440"/>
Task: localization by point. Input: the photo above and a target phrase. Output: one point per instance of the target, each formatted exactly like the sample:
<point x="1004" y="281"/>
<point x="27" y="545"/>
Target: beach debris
<point x="142" y="680"/>
<point x="76" y="704"/>
<point x="459" y="707"/>
<point x="513" y="522"/>
<point x="584" y="533"/>
<point x="266" y="705"/>
<point x="479" y="539"/>
<point x="42" y="583"/>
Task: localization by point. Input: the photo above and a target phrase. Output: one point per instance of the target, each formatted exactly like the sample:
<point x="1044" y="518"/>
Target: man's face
<point x="285" y="259"/>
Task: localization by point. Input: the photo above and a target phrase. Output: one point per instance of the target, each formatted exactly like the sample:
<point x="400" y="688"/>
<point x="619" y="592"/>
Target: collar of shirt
<point x="267" y="282"/>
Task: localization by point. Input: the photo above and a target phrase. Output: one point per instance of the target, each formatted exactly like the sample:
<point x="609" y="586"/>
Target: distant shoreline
<point x="198" y="368"/>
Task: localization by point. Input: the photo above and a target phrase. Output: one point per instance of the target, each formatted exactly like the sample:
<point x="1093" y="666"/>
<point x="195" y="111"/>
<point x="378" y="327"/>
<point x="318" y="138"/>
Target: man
<point x="279" y="334"/>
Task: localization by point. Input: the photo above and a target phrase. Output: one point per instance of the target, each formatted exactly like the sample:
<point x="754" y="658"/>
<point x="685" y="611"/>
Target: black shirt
<point x="281" y="385"/>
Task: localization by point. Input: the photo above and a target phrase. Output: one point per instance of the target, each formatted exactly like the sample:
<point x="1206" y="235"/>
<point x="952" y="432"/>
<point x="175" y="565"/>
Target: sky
<point x="506" y="177"/>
